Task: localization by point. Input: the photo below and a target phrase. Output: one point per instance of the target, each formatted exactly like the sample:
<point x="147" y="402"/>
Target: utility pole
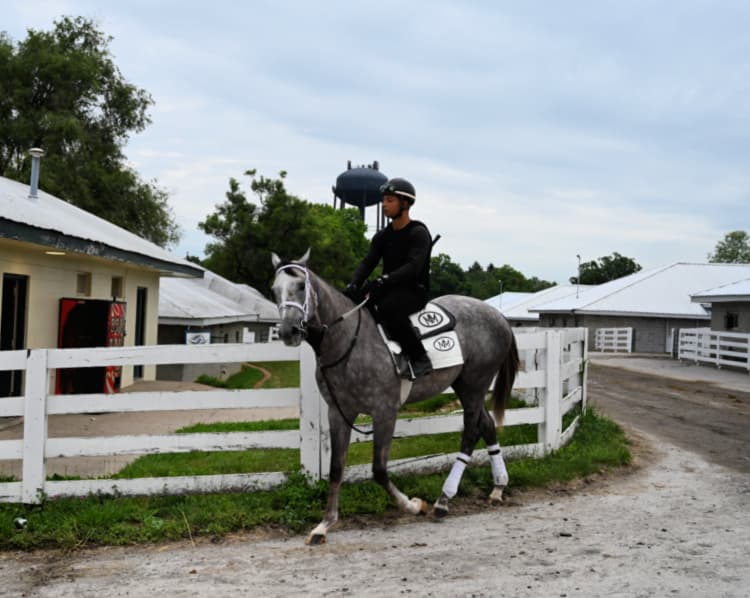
<point x="578" y="279"/>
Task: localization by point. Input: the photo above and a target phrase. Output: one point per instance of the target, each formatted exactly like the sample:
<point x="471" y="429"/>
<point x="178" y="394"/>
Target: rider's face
<point x="391" y="206"/>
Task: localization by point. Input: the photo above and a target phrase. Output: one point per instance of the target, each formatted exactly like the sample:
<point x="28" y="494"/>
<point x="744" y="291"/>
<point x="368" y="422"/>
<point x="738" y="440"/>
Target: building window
<point x="117" y="287"/>
<point x="731" y="320"/>
<point x="83" y="284"/>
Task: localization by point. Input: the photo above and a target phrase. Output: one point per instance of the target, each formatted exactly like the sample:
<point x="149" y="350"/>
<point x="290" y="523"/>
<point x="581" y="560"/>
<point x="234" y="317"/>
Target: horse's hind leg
<point x="499" y="472"/>
<point x="340" y="435"/>
<point x="477" y="424"/>
<point x="381" y="450"/>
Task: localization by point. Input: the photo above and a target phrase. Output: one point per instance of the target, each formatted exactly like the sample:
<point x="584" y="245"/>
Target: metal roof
<point x="659" y="292"/>
<point x="518" y="309"/>
<point x="507" y="300"/>
<point x="56" y="224"/>
<point x="212" y="300"/>
<point x="735" y="291"/>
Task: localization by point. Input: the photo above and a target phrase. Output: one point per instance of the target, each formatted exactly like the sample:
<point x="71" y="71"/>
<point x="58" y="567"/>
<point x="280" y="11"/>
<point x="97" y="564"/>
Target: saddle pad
<point x="432" y="320"/>
<point x="444" y="350"/>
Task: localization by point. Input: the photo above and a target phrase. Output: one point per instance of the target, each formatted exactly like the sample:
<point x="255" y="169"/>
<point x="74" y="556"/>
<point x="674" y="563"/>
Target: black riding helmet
<point x="400" y="187"/>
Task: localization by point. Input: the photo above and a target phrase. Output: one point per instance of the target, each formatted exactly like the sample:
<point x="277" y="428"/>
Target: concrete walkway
<point x="660" y="364"/>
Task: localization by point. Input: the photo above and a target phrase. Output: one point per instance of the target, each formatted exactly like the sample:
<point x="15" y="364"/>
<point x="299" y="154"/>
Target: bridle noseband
<point x="303" y="307"/>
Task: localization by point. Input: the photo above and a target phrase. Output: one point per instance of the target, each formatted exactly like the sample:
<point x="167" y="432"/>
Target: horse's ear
<point x="275" y="260"/>
<point x="304" y="258"/>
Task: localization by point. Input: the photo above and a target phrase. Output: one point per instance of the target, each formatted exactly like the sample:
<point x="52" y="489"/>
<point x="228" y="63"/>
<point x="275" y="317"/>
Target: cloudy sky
<point x="533" y="131"/>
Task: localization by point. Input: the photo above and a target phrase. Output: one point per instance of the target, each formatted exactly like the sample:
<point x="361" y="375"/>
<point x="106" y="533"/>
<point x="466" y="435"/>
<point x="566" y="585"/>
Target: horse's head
<point x="294" y="297"/>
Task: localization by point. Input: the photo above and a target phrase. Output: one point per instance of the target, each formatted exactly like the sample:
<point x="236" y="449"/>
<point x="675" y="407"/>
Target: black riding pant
<point x="393" y="308"/>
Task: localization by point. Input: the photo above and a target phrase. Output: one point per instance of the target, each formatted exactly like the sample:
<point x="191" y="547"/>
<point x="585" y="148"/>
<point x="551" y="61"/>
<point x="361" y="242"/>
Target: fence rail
<point x="555" y="374"/>
<point x="614" y="339"/>
<point x="703" y="345"/>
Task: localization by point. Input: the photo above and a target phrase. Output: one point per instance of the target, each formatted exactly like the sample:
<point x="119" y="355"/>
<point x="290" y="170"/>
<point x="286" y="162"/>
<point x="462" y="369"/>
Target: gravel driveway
<point x="676" y="524"/>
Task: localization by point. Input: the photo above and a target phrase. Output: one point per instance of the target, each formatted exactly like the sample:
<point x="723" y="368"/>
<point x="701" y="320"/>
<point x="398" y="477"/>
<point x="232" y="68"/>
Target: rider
<point x="404" y="247"/>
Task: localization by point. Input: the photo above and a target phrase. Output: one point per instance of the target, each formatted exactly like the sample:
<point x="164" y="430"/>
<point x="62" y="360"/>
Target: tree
<point x="482" y="283"/>
<point x="446" y="277"/>
<point x="60" y="90"/>
<point x="733" y="249"/>
<point x="605" y="269"/>
<point x="246" y="233"/>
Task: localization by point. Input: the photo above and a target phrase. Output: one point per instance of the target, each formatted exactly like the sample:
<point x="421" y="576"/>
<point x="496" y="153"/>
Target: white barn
<point x="654" y="303"/>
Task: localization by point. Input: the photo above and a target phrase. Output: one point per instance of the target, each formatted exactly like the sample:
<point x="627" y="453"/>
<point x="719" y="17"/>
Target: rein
<point x="320" y="334"/>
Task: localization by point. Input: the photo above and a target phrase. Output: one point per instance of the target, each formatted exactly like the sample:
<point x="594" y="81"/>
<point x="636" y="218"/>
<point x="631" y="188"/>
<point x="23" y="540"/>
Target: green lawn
<point x="71" y="523"/>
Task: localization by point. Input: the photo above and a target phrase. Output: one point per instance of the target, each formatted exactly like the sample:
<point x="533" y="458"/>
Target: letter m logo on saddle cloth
<point x="434" y="326"/>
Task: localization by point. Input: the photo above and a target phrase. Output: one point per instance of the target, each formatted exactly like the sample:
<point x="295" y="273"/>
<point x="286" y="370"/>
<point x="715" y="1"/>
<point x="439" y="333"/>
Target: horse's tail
<point x="506" y="376"/>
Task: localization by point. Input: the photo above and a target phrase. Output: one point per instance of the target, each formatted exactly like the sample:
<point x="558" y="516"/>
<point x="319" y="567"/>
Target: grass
<point x="71" y="523"/>
<point x="284" y="374"/>
<point x="99" y="519"/>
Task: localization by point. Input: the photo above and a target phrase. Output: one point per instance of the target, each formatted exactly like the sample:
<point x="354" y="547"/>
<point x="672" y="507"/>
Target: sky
<point x="534" y="132"/>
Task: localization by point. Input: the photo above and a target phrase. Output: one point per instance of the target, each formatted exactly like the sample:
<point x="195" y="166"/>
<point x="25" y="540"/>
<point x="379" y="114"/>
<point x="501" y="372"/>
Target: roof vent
<point x="36" y="158"/>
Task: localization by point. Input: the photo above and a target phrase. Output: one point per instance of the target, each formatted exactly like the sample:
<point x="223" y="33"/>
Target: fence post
<point x="584" y="369"/>
<point x="34" y="427"/>
<point x="310" y="416"/>
<point x="551" y="429"/>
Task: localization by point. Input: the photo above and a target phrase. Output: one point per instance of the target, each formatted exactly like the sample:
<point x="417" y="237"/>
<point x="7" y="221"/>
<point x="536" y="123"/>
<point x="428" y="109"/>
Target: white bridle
<point x="303" y="307"/>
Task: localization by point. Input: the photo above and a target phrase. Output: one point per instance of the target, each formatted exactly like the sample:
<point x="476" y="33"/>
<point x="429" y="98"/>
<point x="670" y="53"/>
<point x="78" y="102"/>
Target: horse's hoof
<point x="496" y="496"/>
<point x="440" y="511"/>
<point x="315" y="539"/>
<point x="440" y="508"/>
<point x="418" y="506"/>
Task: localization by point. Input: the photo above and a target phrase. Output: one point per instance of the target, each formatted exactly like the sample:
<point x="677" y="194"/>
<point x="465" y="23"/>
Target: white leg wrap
<point x="499" y="473"/>
<point x="450" y="487"/>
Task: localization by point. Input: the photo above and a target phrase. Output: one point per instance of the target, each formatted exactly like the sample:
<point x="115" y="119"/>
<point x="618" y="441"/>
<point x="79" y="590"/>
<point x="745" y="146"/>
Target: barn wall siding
<point x="649" y="334"/>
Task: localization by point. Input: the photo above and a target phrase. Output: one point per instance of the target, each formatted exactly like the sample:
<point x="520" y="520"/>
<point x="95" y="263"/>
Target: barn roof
<point x="659" y="292"/>
<point x="518" y="309"/>
<point x="735" y="291"/>
<point x="212" y="300"/>
<point x="56" y="224"/>
<point x="506" y="300"/>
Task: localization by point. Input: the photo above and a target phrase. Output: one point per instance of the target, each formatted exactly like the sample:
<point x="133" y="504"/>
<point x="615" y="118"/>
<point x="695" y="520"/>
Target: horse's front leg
<point x="340" y="435"/>
<point x="381" y="449"/>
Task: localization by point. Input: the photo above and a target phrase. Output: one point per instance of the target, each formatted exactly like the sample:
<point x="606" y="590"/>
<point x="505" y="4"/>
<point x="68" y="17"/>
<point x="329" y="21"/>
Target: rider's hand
<point x="376" y="285"/>
<point x="352" y="291"/>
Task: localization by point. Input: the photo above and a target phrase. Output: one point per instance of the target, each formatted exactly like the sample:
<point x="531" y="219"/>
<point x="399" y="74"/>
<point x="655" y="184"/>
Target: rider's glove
<point x="352" y="291"/>
<point x="376" y="285"/>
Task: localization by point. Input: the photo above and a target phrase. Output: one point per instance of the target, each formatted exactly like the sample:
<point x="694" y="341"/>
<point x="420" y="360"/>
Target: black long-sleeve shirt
<point x="405" y="254"/>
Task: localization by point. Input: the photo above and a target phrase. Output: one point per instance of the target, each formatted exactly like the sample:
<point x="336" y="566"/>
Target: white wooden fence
<point x="703" y="345"/>
<point x="554" y="371"/>
<point x="614" y="339"/>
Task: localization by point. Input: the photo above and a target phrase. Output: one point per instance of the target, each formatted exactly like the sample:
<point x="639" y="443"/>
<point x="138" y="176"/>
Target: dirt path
<point x="696" y="415"/>
<point x="678" y="527"/>
<point x="266" y="374"/>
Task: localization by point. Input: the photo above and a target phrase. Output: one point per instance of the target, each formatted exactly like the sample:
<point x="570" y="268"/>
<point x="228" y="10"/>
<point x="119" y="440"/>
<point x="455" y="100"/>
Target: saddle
<point x="434" y="326"/>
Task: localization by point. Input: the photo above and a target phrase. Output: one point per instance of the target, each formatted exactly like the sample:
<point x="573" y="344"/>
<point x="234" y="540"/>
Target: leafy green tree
<point x="605" y="269"/>
<point x="734" y="248"/>
<point x="484" y="283"/>
<point x="246" y="233"/>
<point x="61" y="90"/>
<point x="446" y="277"/>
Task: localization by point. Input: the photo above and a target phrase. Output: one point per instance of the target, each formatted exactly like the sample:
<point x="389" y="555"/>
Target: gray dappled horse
<point x="356" y="375"/>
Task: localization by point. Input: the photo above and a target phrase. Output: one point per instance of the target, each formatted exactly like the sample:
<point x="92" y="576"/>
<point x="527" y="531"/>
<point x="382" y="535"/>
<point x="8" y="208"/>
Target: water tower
<point x="360" y="187"/>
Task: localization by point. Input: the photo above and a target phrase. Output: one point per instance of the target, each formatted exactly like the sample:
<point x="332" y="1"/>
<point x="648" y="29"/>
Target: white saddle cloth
<point x="439" y="340"/>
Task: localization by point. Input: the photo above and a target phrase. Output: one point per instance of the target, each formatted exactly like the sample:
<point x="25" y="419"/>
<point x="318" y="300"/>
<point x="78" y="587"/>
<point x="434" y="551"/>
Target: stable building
<point x="211" y="309"/>
<point x="654" y="303"/>
<point x="71" y="279"/>
<point x="729" y="305"/>
<point x="518" y="307"/>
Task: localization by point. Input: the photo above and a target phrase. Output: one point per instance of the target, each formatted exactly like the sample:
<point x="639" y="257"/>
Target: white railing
<point x="558" y="380"/>
<point x="703" y="345"/>
<point x="614" y="339"/>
